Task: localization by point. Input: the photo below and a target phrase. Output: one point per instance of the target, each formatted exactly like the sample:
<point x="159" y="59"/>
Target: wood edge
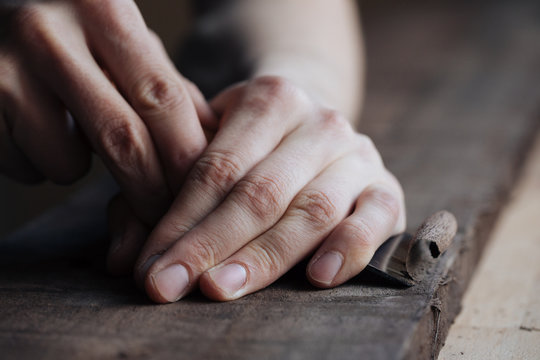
<point x="456" y="271"/>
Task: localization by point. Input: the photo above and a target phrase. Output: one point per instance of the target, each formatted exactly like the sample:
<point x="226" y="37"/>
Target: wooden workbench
<point x="500" y="319"/>
<point x="452" y="102"/>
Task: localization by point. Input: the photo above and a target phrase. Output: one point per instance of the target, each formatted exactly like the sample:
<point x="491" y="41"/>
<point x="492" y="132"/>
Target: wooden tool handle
<point x="432" y="239"/>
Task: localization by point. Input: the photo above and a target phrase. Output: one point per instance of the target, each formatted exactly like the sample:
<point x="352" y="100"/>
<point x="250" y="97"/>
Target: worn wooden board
<point x="501" y="309"/>
<point x="452" y="101"/>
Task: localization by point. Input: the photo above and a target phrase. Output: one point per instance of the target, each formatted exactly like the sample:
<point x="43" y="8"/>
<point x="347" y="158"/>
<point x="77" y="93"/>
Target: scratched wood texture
<point x="452" y="102"/>
<point x="500" y="318"/>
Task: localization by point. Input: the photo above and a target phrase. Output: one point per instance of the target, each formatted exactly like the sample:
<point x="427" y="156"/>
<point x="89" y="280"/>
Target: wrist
<point x="323" y="81"/>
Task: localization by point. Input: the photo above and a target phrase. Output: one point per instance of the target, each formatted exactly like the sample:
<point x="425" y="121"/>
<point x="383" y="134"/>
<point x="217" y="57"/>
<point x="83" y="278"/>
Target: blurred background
<point x="170" y="19"/>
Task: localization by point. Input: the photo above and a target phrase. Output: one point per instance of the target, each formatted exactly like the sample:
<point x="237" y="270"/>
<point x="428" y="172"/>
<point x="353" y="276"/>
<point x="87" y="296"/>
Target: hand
<point x="282" y="177"/>
<point x="97" y="61"/>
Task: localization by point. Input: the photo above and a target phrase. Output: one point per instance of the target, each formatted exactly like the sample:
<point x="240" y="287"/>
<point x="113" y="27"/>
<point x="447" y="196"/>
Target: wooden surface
<point x="452" y="102"/>
<point x="501" y="310"/>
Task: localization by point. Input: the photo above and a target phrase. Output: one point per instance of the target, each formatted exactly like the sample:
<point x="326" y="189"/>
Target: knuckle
<point x="367" y="150"/>
<point x="387" y="202"/>
<point x="258" y="105"/>
<point x="274" y="86"/>
<point x="335" y="125"/>
<point x="202" y="254"/>
<point x="361" y="231"/>
<point x="156" y="93"/>
<point x="333" y="119"/>
<point x="267" y="91"/>
<point x="269" y="256"/>
<point x="122" y="144"/>
<point x="261" y="195"/>
<point x="316" y="208"/>
<point x="217" y="169"/>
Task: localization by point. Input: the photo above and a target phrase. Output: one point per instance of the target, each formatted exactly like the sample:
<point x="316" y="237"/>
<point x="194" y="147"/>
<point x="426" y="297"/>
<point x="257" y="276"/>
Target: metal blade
<point x="390" y="259"/>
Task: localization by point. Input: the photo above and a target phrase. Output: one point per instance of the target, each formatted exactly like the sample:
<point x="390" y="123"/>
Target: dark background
<point x="18" y="203"/>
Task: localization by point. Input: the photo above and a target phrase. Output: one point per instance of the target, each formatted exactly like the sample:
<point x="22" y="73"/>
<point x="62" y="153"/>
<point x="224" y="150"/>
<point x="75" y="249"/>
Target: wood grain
<point x="501" y="309"/>
<point x="452" y="102"/>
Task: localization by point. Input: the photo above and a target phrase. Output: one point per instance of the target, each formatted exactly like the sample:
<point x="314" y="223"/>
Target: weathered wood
<point x="501" y="309"/>
<point x="453" y="93"/>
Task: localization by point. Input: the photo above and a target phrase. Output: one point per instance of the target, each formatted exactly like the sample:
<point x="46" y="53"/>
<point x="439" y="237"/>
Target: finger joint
<point x="269" y="256"/>
<point x="218" y="170"/>
<point x="156" y="93"/>
<point x="261" y="195"/>
<point x="386" y="202"/>
<point x="316" y="207"/>
<point x="202" y="253"/>
<point x="123" y="145"/>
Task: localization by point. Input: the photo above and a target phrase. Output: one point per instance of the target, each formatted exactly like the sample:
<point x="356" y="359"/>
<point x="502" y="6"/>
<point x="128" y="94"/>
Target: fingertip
<point x="167" y="285"/>
<point x="209" y="288"/>
<point x="151" y="290"/>
<point x="324" y="269"/>
<point x="224" y="282"/>
<point x="142" y="266"/>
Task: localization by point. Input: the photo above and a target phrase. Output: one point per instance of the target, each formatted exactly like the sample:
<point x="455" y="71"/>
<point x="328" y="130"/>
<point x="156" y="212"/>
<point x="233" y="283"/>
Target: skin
<point x="285" y="174"/>
<point x="138" y="114"/>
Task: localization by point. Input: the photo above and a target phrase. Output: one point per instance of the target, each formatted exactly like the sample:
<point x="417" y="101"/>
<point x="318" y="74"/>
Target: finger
<point x="44" y="131"/>
<point x="254" y="205"/>
<point x="207" y="117"/>
<point x="205" y="113"/>
<point x="350" y="247"/>
<point x="128" y="235"/>
<point x="229" y="95"/>
<point x="13" y="162"/>
<point x="317" y="209"/>
<point x="248" y="134"/>
<point x="148" y="81"/>
<point x="60" y="55"/>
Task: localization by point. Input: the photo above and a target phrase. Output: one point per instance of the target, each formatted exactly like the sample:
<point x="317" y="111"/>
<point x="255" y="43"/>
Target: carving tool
<point x="405" y="259"/>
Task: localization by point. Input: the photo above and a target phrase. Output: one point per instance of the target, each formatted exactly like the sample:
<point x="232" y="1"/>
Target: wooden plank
<point x="453" y="93"/>
<point x="501" y="309"/>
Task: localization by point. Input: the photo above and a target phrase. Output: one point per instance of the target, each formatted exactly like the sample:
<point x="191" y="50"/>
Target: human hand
<point x="97" y="61"/>
<point x="282" y="177"/>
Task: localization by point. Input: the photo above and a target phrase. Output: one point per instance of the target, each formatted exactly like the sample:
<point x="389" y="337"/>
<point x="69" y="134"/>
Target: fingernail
<point x="229" y="278"/>
<point x="326" y="267"/>
<point x="171" y="282"/>
<point x="143" y="270"/>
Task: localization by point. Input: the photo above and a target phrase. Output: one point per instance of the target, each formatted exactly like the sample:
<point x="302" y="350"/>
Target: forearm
<point x="314" y="43"/>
